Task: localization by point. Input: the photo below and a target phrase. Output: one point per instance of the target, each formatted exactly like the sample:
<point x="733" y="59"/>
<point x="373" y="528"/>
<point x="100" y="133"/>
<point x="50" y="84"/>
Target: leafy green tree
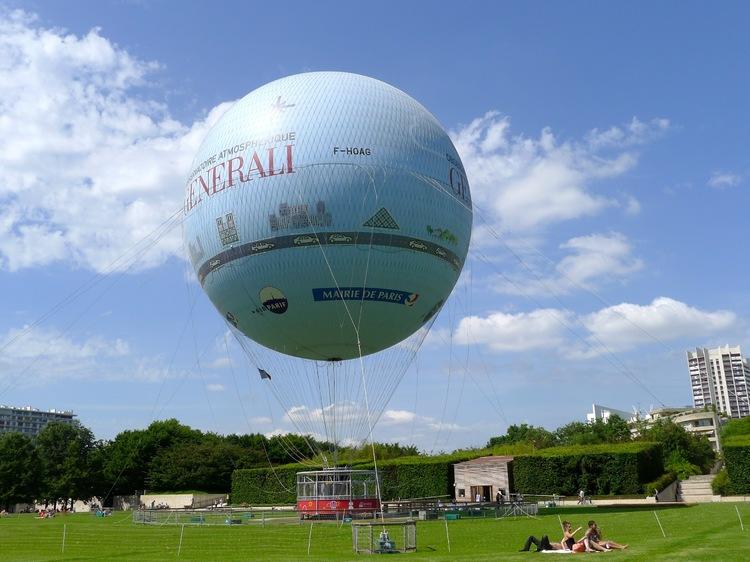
<point x="538" y="437"/>
<point x="127" y="459"/>
<point x="19" y="469"/>
<point x="283" y="449"/>
<point x="203" y="466"/>
<point x="65" y="459"/>
<point x="685" y="453"/>
<point x="614" y="430"/>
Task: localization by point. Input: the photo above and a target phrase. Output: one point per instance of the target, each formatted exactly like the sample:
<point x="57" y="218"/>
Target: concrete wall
<point x="181" y="501"/>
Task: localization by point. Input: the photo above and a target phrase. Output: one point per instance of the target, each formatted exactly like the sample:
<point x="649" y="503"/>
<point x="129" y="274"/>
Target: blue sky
<point x="606" y="146"/>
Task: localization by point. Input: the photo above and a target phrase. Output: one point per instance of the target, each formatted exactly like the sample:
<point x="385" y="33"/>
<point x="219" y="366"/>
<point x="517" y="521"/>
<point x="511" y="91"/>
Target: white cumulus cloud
<point x="617" y="328"/>
<point x="626" y="325"/>
<point x="593" y="259"/>
<point x="89" y="165"/>
<point x="538" y="329"/>
<point x="527" y="183"/>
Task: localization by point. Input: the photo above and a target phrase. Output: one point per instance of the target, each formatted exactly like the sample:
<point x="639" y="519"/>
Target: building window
<point x="461" y="493"/>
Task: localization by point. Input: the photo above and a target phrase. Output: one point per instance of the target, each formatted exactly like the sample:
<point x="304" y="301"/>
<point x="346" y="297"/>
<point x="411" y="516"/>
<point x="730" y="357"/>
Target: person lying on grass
<point x="541" y="544"/>
<point x="593" y="541"/>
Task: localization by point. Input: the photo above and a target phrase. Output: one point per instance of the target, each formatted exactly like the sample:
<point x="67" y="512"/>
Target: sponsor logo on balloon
<point x="381" y="219"/>
<point x="325" y="294"/>
<point x="227" y="232"/>
<point x="305" y="239"/>
<point x="261" y="247"/>
<point x="457" y="179"/>
<point x="340" y="238"/>
<point x="273" y="300"/>
<point x="442" y="234"/>
<point x="299" y="216"/>
<point x="280" y="105"/>
<point x="238" y="170"/>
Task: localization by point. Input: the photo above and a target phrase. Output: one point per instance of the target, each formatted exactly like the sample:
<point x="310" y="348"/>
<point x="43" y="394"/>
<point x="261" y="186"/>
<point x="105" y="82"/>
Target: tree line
<point x="65" y="462"/>
<point x="685" y="453"/>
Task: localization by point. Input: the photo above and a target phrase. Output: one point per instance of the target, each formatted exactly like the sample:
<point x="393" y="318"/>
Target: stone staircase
<point x="697" y="489"/>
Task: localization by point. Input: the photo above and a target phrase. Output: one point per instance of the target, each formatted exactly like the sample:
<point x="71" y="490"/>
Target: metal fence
<point x="214" y="517"/>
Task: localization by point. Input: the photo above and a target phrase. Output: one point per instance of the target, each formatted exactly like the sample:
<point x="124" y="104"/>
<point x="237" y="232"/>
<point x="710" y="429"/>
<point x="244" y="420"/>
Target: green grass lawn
<point x="704" y="532"/>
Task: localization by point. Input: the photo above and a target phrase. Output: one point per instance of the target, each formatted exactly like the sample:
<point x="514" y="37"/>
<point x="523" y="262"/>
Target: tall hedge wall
<point x="265" y="486"/>
<point x="737" y="461"/>
<point x="407" y="477"/>
<point x="598" y="469"/>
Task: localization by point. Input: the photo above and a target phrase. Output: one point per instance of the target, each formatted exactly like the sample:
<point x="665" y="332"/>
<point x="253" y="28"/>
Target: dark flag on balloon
<point x="264" y="374"/>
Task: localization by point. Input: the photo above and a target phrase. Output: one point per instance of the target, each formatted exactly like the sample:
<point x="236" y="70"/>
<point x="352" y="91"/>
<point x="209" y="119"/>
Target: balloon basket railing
<point x="337" y="493"/>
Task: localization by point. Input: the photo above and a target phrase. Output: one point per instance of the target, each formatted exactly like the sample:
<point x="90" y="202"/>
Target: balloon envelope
<point x="328" y="215"/>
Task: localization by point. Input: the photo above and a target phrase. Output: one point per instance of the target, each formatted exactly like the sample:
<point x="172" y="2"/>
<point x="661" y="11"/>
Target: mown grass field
<point x="704" y="532"/>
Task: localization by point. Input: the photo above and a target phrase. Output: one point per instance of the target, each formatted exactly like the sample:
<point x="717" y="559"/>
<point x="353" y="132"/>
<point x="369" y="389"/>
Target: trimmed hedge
<point x="737" y="461"/>
<point x="406" y="477"/>
<point x="599" y="469"/>
<point x="606" y="469"/>
<point x="266" y="486"/>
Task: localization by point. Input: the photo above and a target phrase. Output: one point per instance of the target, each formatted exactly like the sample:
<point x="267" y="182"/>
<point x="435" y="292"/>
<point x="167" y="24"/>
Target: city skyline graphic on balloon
<point x="327" y="215"/>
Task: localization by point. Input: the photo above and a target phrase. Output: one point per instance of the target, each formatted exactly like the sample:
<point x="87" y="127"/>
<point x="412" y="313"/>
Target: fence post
<point x="65" y="530"/>
<point x="309" y="540"/>
<point x="179" y="548"/>
<point x="447" y="535"/>
<point x="660" y="527"/>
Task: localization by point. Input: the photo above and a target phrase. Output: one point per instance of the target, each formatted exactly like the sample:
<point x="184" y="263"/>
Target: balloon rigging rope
<point x="609" y="355"/>
<point x="355" y="327"/>
<point x="247" y="420"/>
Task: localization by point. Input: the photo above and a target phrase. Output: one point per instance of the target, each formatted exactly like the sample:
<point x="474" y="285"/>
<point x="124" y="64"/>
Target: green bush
<point x="721" y="484"/>
<point x="599" y="469"/>
<point x="660" y="483"/>
<point x="679" y="465"/>
<point x="737" y="461"/>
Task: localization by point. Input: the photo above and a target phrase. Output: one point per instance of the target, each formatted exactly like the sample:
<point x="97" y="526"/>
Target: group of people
<point x="590" y="542"/>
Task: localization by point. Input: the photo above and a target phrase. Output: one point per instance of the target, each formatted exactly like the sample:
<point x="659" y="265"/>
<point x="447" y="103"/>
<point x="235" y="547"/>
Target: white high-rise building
<point x="30" y="421"/>
<point x="720" y="376"/>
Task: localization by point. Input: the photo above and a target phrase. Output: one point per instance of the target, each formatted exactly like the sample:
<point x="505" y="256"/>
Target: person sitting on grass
<point x="568" y="539"/>
<point x="593" y="541"/>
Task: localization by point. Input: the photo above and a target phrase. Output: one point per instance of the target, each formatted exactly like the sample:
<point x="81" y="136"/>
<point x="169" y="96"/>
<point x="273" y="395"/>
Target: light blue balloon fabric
<point x="328" y="215"/>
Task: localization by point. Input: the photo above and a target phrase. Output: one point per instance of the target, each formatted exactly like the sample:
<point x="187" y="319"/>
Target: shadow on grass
<point x="610" y="508"/>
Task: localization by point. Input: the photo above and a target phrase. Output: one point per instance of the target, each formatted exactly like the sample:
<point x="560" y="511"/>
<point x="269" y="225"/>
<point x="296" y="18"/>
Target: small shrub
<point x="721" y="484"/>
<point x="679" y="465"/>
<point x="660" y="483"/>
